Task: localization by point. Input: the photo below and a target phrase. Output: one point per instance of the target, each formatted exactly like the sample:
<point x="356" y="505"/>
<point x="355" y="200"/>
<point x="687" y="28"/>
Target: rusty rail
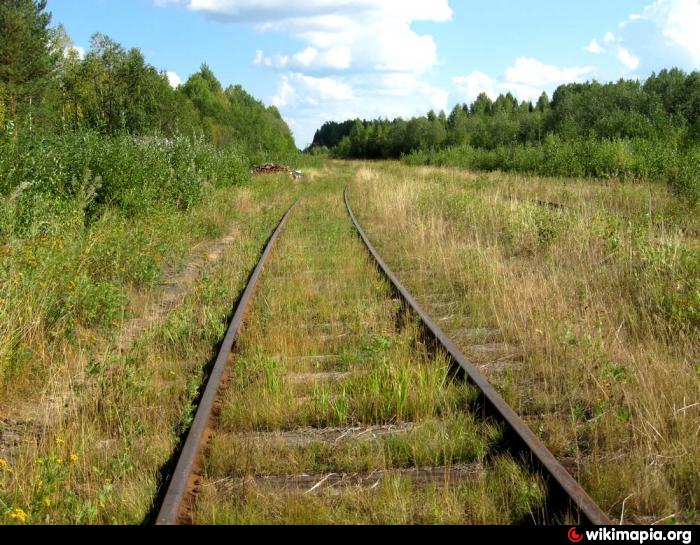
<point x="563" y="488"/>
<point x="181" y="484"/>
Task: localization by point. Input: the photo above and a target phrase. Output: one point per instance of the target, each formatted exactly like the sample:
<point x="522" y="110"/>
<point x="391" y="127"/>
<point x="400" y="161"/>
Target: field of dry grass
<point x="589" y="314"/>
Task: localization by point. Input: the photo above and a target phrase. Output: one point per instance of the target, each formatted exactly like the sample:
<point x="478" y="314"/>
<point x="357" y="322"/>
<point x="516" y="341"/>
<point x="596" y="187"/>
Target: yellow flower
<point x="18" y="515"/>
<point x="4" y="466"/>
<point x="74" y="458"/>
<point x="40" y="462"/>
<point x="59" y="461"/>
<point x="59" y="441"/>
<point x="47" y="502"/>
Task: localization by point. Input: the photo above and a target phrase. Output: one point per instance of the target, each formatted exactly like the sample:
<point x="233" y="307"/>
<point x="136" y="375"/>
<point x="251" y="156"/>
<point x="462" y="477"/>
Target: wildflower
<point x="59" y="461"/>
<point x="74" y="458"/>
<point x="4" y="466"/>
<point x="18" y="515"/>
<point x="47" y="502"/>
<point x="40" y="462"/>
<point x="59" y="441"/>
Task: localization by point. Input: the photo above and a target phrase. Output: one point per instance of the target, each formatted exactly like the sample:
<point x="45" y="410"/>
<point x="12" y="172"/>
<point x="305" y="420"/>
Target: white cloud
<point x="276" y="61"/>
<point x="680" y="22"/>
<point x="526" y="79"/>
<point x="285" y="94"/>
<point x="173" y="79"/>
<point x="609" y="38"/>
<point x="472" y="85"/>
<point x="664" y="34"/>
<point x="336" y="58"/>
<point x="339" y="34"/>
<point x="357" y="58"/>
<point x="307" y="101"/>
<point x="595" y="48"/>
<point x="295" y="88"/>
<point x="532" y="72"/>
<point x="630" y="61"/>
<point x="284" y="11"/>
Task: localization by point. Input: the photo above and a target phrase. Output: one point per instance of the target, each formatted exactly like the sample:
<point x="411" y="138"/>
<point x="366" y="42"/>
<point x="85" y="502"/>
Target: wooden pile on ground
<point x="270" y="168"/>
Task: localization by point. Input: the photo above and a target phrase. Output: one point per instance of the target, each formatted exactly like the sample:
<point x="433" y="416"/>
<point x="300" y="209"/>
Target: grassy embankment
<point x="120" y="261"/>
<point x="589" y="314"/>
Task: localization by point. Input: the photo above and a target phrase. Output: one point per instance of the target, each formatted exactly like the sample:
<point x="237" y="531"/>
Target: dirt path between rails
<point x="176" y="284"/>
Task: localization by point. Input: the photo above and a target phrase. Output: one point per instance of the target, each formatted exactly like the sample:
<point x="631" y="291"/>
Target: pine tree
<point x="26" y="59"/>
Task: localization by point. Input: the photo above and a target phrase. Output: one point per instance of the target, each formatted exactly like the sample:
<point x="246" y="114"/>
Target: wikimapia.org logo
<point x="574" y="536"/>
<point x="633" y="536"/>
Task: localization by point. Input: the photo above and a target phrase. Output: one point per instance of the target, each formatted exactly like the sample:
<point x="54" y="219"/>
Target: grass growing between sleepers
<point x="332" y="377"/>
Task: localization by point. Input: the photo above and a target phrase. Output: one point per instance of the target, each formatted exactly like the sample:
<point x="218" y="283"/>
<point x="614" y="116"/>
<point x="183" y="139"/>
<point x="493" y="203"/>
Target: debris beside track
<point x="272" y="168"/>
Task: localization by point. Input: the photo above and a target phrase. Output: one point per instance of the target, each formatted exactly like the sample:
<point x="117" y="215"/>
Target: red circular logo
<point x="574" y="536"/>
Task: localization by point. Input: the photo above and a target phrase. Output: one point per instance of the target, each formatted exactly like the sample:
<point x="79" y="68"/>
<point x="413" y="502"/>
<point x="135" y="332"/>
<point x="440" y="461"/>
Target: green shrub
<point x="44" y="176"/>
<point x="626" y="159"/>
<point x="686" y="181"/>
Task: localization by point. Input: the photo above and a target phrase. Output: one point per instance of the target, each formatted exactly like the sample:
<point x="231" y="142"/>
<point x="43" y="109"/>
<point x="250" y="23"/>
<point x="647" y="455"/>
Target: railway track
<point x="343" y="401"/>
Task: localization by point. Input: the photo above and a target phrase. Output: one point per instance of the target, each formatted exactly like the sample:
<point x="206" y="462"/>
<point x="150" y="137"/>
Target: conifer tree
<point x="26" y="59"/>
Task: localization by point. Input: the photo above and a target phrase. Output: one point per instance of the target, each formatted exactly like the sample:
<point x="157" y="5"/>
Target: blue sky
<point x="320" y="60"/>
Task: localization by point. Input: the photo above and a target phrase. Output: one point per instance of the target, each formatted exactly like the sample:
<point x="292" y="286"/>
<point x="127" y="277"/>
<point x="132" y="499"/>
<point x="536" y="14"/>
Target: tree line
<point x="46" y="85"/>
<point x="626" y="129"/>
<point x="103" y="134"/>
<point x="665" y="106"/>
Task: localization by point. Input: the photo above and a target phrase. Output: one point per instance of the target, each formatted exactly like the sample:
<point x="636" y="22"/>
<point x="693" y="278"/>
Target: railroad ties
<point x="338" y="400"/>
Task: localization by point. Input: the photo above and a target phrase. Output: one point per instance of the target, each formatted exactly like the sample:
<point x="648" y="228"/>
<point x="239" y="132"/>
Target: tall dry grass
<point x="600" y="299"/>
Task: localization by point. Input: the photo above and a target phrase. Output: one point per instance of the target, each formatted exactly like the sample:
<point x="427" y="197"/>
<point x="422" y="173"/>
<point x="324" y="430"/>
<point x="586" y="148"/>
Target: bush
<point x="626" y="159"/>
<point x="42" y="177"/>
<point x="686" y="181"/>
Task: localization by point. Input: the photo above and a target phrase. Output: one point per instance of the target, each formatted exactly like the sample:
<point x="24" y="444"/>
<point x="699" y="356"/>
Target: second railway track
<point x="342" y="403"/>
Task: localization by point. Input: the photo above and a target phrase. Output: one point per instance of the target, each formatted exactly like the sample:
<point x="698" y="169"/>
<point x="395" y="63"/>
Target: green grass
<point x="99" y="417"/>
<point x="504" y="495"/>
<point x="322" y="296"/>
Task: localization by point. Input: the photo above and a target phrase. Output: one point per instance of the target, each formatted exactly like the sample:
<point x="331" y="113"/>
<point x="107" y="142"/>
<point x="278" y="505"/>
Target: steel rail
<point x="173" y="505"/>
<point x="564" y="485"/>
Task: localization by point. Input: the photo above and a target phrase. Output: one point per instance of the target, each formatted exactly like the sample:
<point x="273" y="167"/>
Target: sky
<point x="332" y="60"/>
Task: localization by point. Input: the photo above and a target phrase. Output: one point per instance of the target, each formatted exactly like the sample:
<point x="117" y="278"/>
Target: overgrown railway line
<point x="343" y="401"/>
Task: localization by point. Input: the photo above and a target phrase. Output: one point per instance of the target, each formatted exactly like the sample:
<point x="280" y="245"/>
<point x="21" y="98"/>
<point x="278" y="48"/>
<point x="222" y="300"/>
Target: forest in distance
<point x="107" y="131"/>
<point x="628" y="129"/>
